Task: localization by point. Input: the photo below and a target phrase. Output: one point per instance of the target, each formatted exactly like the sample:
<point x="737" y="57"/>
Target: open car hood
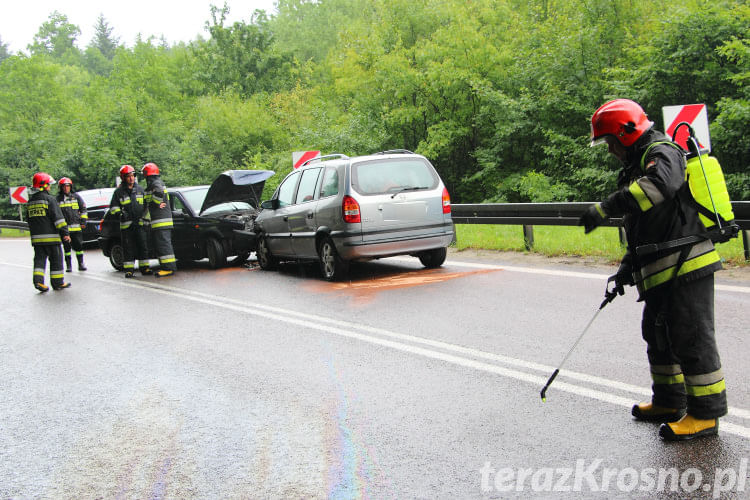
<point x="237" y="185"/>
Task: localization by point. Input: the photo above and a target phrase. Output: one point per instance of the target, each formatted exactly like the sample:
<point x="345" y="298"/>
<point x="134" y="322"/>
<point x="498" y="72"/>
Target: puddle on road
<point x="363" y="291"/>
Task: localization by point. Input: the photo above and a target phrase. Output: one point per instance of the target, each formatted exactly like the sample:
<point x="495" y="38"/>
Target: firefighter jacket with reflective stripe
<point x="46" y="221"/>
<point x="655" y="205"/>
<point x="128" y="204"/>
<point x="156" y="194"/>
<point x="74" y="210"/>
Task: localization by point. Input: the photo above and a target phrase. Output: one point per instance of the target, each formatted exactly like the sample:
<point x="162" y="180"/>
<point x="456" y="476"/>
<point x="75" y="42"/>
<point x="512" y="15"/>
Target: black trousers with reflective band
<point x="162" y="239"/>
<point x="134" y="246"/>
<point x="682" y="350"/>
<point x="76" y="243"/>
<point x="56" y="272"/>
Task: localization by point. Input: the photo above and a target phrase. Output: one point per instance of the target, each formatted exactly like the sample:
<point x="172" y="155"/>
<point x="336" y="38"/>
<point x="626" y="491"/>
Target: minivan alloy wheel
<point x="332" y="266"/>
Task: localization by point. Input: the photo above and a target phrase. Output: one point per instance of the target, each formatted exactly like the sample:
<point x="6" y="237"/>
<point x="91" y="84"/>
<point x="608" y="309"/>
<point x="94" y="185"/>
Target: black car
<point x="97" y="203"/>
<point x="213" y="222"/>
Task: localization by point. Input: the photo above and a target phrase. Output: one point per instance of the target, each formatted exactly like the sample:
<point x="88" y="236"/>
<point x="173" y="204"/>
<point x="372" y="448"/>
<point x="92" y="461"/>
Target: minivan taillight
<point x="446" y="201"/>
<point x="351" y="210"/>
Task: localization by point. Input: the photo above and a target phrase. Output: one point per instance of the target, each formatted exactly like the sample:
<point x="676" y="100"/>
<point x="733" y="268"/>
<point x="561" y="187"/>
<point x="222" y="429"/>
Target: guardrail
<point x="529" y="215"/>
<point x="14" y="225"/>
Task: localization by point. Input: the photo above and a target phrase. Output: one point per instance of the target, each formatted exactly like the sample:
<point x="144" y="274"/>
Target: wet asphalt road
<point x="402" y="383"/>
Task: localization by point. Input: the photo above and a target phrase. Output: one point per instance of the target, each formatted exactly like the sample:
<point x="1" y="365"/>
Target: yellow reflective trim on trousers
<point x="167" y="261"/>
<point x="667" y="379"/>
<point x="689" y="266"/>
<point x="45" y="240"/>
<point x="706" y="390"/>
<point x="38" y="273"/>
<point x="54" y="276"/>
<point x="162" y="224"/>
<point x="640" y="196"/>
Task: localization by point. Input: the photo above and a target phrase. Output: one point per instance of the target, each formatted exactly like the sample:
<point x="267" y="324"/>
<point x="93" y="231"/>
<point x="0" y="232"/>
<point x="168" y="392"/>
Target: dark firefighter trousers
<point x="682" y="353"/>
<point x="56" y="271"/>
<point x="76" y="243"/>
<point x="162" y="239"/>
<point x="134" y="246"/>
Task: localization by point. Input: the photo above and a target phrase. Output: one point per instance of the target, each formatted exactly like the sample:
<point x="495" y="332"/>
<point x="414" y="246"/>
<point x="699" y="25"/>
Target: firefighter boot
<point x="146" y="271"/>
<point x="81" y="265"/>
<point x="649" y="412"/>
<point x="68" y="263"/>
<point x="61" y="287"/>
<point x="41" y="287"/>
<point x="689" y="427"/>
<point x="164" y="273"/>
<point x="129" y="274"/>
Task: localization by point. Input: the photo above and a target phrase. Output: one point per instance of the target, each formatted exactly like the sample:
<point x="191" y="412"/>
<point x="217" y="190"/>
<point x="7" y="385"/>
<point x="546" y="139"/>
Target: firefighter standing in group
<point x="74" y="210"/>
<point x="689" y="394"/>
<point x="160" y="219"/>
<point x="128" y="203"/>
<point x="47" y="227"/>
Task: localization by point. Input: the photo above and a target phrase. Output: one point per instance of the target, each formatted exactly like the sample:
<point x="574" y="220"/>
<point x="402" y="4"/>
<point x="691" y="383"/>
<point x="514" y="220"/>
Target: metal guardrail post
<point x="746" y="243"/>
<point x="528" y="237"/>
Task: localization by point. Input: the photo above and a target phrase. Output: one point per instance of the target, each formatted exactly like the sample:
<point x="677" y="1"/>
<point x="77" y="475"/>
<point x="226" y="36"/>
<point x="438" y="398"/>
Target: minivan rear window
<point x="392" y="175"/>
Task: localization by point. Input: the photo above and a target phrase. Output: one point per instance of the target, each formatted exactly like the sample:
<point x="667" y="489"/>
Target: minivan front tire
<point x="433" y="258"/>
<point x="332" y="266"/>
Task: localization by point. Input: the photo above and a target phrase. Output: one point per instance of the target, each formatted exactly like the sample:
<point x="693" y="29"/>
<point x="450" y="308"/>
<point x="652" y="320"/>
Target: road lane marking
<point x="344" y="329"/>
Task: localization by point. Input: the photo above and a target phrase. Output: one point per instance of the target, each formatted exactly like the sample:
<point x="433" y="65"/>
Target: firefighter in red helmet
<point x="160" y="218"/>
<point x="128" y="204"/>
<point x="47" y="227"/>
<point x="676" y="283"/>
<point x="74" y="209"/>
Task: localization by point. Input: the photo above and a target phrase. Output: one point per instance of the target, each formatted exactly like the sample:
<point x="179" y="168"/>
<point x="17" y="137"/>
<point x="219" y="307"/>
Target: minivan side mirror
<point x="270" y="204"/>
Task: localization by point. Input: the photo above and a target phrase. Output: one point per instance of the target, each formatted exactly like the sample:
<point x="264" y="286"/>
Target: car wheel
<point x="266" y="260"/>
<point x="433" y="258"/>
<point x="117" y="256"/>
<point x="332" y="265"/>
<point x="216" y="256"/>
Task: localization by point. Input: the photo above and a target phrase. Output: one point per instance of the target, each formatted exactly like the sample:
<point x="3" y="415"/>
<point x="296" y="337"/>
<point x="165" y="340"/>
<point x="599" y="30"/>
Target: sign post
<point x="694" y="114"/>
<point x="18" y="196"/>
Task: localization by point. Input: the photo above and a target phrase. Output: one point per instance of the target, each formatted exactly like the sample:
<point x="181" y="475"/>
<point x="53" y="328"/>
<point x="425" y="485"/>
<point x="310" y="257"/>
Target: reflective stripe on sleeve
<point x="640" y="196"/>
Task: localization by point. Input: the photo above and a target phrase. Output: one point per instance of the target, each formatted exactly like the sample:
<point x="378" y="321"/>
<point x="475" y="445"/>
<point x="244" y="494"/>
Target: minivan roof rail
<point x="395" y="151"/>
<point x="325" y="157"/>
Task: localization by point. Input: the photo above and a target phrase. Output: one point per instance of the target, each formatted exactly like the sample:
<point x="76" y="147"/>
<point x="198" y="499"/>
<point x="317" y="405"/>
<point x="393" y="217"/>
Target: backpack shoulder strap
<point x="650" y="146"/>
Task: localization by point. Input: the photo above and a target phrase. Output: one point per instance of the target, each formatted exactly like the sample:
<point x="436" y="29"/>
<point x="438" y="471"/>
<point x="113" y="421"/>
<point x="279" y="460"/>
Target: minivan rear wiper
<point x="408" y="188"/>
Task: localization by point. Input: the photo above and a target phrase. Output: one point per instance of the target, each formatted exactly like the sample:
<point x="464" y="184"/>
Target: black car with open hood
<point x="213" y="222"/>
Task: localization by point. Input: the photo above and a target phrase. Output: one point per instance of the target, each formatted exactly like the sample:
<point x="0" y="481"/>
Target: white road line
<point x="344" y="329"/>
<point x="570" y="274"/>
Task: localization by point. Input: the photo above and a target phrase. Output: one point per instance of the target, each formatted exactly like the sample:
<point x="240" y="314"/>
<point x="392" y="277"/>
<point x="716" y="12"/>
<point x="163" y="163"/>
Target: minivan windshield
<point x="393" y="175"/>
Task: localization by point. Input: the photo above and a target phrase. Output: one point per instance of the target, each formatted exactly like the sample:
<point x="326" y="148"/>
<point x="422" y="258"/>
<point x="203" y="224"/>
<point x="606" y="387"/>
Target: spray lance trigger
<point x="609" y="296"/>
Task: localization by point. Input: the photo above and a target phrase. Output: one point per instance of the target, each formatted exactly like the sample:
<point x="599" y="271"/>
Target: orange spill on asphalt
<point x="364" y="291"/>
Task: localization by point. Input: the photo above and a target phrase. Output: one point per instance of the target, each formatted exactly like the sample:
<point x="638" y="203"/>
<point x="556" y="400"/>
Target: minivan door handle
<point x="286" y="218"/>
<point x="310" y="215"/>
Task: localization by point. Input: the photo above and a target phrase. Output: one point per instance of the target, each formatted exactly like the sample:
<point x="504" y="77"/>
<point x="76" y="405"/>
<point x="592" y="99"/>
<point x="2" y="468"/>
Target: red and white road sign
<point x="696" y="115"/>
<point x="300" y="157"/>
<point x="18" y="195"/>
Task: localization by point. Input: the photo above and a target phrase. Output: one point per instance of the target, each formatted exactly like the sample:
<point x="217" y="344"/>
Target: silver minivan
<point x="336" y="209"/>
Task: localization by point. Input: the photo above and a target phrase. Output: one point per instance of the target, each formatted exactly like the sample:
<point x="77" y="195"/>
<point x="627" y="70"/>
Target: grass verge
<point x="554" y="241"/>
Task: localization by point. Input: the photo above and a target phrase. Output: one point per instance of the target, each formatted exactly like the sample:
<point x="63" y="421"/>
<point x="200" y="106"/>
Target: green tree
<point x="55" y="37"/>
<point x="103" y="39"/>
<point x="4" y="53"/>
<point x="242" y="56"/>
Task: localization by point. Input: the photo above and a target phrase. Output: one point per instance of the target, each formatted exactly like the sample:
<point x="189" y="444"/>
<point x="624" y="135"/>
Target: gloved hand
<point x="623" y="277"/>
<point x="592" y="218"/>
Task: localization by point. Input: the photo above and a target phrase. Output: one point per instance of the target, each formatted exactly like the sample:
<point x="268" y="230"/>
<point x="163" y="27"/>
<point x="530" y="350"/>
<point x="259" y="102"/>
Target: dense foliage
<point x="497" y="93"/>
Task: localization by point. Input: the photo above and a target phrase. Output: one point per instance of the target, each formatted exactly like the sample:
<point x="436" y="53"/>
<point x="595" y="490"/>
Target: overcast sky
<point x="177" y="20"/>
